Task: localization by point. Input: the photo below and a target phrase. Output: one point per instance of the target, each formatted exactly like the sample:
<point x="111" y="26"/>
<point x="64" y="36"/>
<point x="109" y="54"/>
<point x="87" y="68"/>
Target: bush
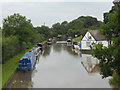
<point x="115" y="79"/>
<point x="64" y="37"/>
<point x="28" y="45"/>
<point x="10" y="47"/>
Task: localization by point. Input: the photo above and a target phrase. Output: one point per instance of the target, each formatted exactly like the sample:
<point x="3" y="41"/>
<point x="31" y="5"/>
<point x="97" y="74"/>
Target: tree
<point x="19" y="26"/>
<point x="64" y="27"/>
<point x="17" y="35"/>
<point x="57" y="28"/>
<point x="109" y="56"/>
<point x="70" y="32"/>
<point x="44" y="30"/>
<point x="10" y="47"/>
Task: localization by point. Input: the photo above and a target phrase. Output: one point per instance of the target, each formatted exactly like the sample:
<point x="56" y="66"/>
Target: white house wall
<point x="84" y="45"/>
<point x="85" y="39"/>
<point x="105" y="43"/>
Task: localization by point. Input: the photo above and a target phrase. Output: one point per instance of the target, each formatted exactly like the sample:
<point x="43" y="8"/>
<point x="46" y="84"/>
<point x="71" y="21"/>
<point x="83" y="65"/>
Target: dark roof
<point x="97" y="35"/>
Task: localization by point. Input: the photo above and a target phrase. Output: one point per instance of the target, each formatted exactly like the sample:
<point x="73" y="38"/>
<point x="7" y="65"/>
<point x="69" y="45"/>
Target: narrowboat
<point x="40" y="46"/>
<point x="69" y="42"/>
<point x="49" y="41"/>
<point x="76" y="45"/>
<point x="36" y="49"/>
<point x="27" y="62"/>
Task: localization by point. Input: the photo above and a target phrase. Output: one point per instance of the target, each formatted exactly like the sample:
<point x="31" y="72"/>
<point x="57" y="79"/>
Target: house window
<point x="87" y="44"/>
<point x="90" y="38"/>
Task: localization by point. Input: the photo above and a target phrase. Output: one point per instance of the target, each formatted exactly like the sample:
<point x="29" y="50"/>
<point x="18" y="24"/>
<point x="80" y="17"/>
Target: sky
<point x="56" y="0"/>
<point x="51" y="13"/>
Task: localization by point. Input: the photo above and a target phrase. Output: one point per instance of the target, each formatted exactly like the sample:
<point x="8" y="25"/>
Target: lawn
<point x="78" y="39"/>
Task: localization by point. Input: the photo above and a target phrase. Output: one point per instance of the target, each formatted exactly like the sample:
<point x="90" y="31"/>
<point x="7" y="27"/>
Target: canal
<point x="61" y="67"/>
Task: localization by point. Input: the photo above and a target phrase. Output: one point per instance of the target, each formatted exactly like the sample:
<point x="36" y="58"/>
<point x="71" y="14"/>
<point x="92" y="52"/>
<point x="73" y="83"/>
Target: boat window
<point x="20" y="61"/>
<point x="68" y="40"/>
<point x="28" y="61"/>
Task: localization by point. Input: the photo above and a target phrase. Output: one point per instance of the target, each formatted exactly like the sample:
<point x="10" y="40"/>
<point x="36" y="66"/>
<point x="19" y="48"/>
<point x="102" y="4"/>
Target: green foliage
<point x="115" y="79"/>
<point x="44" y="30"/>
<point x="70" y="33"/>
<point x="57" y="28"/>
<point x="109" y="56"/>
<point x="18" y="35"/>
<point x="10" y="47"/>
<point x="16" y="25"/>
<point x="63" y="37"/>
<point x="104" y="55"/>
<point x="78" y="26"/>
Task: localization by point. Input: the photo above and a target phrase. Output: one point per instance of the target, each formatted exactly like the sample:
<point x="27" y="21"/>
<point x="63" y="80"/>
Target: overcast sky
<point x="60" y="12"/>
<point x="56" y="0"/>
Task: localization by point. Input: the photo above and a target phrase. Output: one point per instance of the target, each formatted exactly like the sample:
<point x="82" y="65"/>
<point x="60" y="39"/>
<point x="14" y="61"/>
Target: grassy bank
<point x="0" y="76"/>
<point x="78" y="39"/>
<point x="10" y="66"/>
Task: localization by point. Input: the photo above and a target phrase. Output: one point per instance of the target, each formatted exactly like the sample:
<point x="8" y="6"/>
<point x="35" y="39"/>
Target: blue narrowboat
<point x="27" y="61"/>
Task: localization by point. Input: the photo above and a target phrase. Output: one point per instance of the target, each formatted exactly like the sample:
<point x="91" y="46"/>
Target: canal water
<point x="60" y="66"/>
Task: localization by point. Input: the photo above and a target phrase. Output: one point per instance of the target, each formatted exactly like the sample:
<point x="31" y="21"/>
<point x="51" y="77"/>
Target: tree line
<point x="19" y="34"/>
<point x="110" y="56"/>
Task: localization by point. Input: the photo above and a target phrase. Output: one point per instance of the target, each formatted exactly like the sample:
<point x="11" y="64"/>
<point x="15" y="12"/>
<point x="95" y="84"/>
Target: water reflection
<point x="65" y="69"/>
<point x="90" y="63"/>
<point x="57" y="47"/>
<point x="47" y="50"/>
<point x="71" y="52"/>
<point x="21" y="80"/>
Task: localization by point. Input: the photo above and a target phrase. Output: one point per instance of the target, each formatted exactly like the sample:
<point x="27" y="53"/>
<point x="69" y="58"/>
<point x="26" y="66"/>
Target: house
<point x="93" y="36"/>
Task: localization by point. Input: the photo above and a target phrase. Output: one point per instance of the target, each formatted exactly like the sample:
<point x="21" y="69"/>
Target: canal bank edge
<point x="9" y="68"/>
<point x="5" y="85"/>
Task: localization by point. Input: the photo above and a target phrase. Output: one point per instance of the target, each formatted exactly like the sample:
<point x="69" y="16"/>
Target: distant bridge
<point x="61" y="42"/>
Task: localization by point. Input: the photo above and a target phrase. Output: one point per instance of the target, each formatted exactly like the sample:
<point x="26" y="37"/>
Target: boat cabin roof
<point x="28" y="55"/>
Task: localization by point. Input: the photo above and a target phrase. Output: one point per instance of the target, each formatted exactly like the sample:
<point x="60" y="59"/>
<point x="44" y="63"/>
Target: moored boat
<point x="40" y="46"/>
<point x="76" y="45"/>
<point x="27" y="62"/>
<point x="49" y="41"/>
<point x="69" y="42"/>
